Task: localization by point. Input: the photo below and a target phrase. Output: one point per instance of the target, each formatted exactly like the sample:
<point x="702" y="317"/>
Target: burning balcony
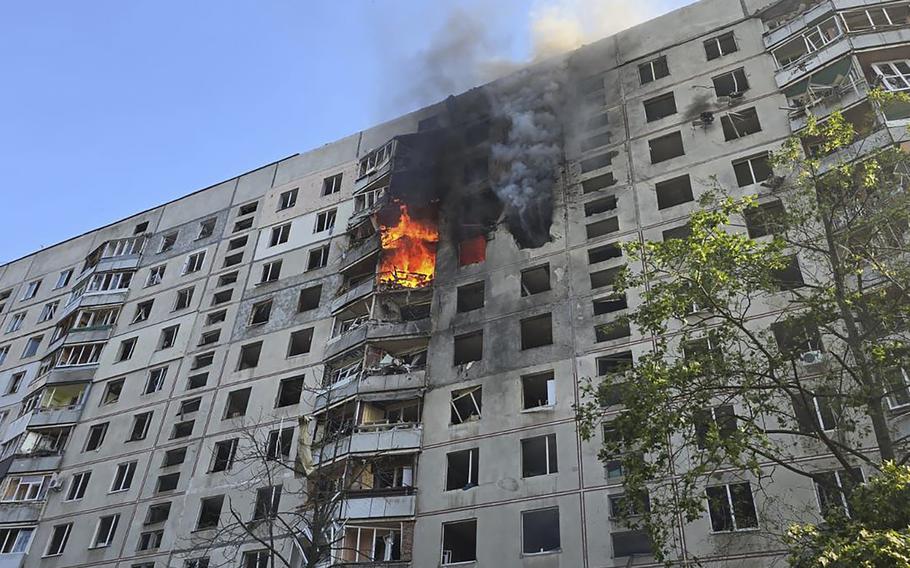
<point x="408" y="237"/>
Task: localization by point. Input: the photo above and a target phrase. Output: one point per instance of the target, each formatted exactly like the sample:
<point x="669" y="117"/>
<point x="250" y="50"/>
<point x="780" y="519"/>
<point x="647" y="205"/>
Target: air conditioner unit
<point x="811" y="357"/>
<point x="56" y="484"/>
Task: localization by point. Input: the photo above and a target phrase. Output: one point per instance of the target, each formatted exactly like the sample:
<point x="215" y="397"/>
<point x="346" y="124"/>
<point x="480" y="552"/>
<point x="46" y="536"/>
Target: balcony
<point x="797" y="24"/>
<point x="375" y="166"/>
<point x="55" y="416"/>
<point x="359" y="291"/>
<point x="371" y="439"/>
<point x="360" y="251"/>
<point x="837" y="86"/>
<point x="14" y="560"/>
<point x="373" y="330"/>
<point x="36" y="461"/>
<point x="377" y="507"/>
<point x="74" y="374"/>
<point x="20" y="511"/>
<point x="369" y="384"/>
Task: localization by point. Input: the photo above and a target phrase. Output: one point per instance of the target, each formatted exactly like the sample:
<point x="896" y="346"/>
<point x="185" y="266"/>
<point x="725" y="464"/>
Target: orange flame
<point x="408" y="251"/>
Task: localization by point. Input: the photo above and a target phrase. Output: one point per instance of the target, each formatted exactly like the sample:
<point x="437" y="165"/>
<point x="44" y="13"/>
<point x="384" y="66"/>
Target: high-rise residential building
<point x="405" y="315"/>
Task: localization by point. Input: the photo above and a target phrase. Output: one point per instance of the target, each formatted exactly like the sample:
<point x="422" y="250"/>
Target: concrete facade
<point x="197" y="264"/>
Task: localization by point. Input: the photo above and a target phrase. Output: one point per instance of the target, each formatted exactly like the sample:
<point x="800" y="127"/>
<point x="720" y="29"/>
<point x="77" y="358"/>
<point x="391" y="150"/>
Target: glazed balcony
<point x="375" y="166"/>
<point x="370" y="439"/>
<point x="379" y="506"/>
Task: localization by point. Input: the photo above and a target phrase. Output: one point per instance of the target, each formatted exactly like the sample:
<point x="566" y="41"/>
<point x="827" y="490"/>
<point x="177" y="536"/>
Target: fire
<point x="408" y="251"/>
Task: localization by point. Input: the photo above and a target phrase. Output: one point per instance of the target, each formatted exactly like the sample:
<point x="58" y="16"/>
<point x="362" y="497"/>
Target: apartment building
<point x="339" y="306"/>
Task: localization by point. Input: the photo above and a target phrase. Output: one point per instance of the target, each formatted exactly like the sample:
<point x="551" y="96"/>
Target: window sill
<point x="543" y="553"/>
<point x="735" y="531"/>
<point x="544" y="408"/>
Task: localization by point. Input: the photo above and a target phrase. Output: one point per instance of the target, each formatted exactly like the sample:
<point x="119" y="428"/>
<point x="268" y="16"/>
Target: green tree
<point x="779" y="330"/>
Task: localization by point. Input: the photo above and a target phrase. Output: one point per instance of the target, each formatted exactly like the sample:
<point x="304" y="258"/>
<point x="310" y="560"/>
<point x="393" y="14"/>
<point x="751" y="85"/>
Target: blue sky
<point x="109" y="107"/>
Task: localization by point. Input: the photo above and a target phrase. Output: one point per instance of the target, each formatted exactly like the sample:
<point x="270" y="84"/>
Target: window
<point x="95" y="437"/>
<point x="203" y="360"/>
<point x="143" y="311"/>
<point x="367" y="199"/>
<point x="194" y="262"/>
<point x="597" y="162"/>
<point x="538" y="390"/>
<point x="236" y="403"/>
<point x="267" y="502"/>
<point x="249" y="356"/>
<point x="174" y="457"/>
<point x="765" y="219"/>
<point x="459" y="541"/>
<point x="461" y="470"/>
<point x="673" y="192"/>
<point x="59" y="535"/>
<point x="78" y="484"/>
<point x="16" y="540"/>
<point x="140" y="427"/>
<point x="104" y="532"/>
<point x="209" y="512"/>
<point x="309" y="298"/>
<point x="223" y="455"/>
<point x="228" y="279"/>
<point x="123" y="477"/>
<point x="256" y="559"/>
<point x="538" y="456"/>
<point x="184" y="297"/>
<point x="168" y="240"/>
<point x="168" y="337"/>
<point x="666" y="147"/>
<point x="15" y="322"/>
<point x="537" y="331"/>
<point x="271" y="271"/>
<point x="248" y="209"/>
<point x="603" y="253"/>
<point x="331" y="184"/>
<point x="280" y="234"/>
<point x="731" y="84"/>
<point x="31" y="346"/>
<point x="167" y="482"/>
<point x="279" y="443"/>
<point x="243" y="224"/>
<point x="150" y="540"/>
<point x="261" y="312"/>
<point x="112" y="391"/>
<point x="540" y="531"/>
<point x="466" y="404"/>
<point x="127" y="347"/>
<point x="300" y="342"/>
<point x="26" y="488"/>
<point x="721" y="45"/>
<point x="834" y="489"/>
<point x="719" y="421"/>
<point x="31" y="289"/>
<point x="752" y="170"/>
<point x="653" y="70"/>
<point x="325" y="221"/>
<point x="601" y="205"/>
<point x="233" y="260"/>
<point x="898" y="384"/>
<point x="222" y="297"/>
<point x="209" y="337"/>
<point x="4" y="351"/>
<point x="64" y="279"/>
<point x="15" y="381"/>
<point x="602" y="228"/>
<point x="535" y="280"/>
<point x="155" y="380"/>
<point x="790" y="276"/>
<point x="660" y="107"/>
<point x="4" y="297"/>
<point x="472" y="250"/>
<point x="318" y="258"/>
<point x="156" y="275"/>
<point x="287" y="199"/>
<point x="795" y="339"/>
<point x="197" y="381"/>
<point x="182" y="429"/>
<point x="289" y="392"/>
<point x="237" y="243"/>
<point x="681" y="232"/>
<point x="468" y="347"/>
<point x="740" y="123"/>
<point x="189" y="406"/>
<point x="206" y="229"/>
<point x="894" y="75"/>
<point x="216" y="317"/>
<point x="201" y="562"/>
<point x="634" y="542"/>
<point x="731" y="507"/>
<point x="596" y="141"/>
<point x="82" y="354"/>
<point x="48" y="311"/>
<point x="470" y="297"/>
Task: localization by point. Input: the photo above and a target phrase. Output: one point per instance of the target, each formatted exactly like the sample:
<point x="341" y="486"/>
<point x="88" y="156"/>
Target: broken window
<point x="597" y="162"/>
<point x="143" y="311"/>
<point x="681" y="232"/>
<point x="309" y="298"/>
<point x="660" y="107"/>
<point x="203" y="360"/>
<point x="155" y="380"/>
<point x="216" y="317"/>
<point x="790" y="276"/>
<point x="318" y="258"/>
<point x="31" y="346"/>
<point x="168" y="337"/>
<point x="601" y="205"/>
<point x="721" y="45"/>
<point x="127" y="347"/>
<point x="168" y="240"/>
<point x="720" y="419"/>
<point x="604" y="252"/>
<point x="209" y="512"/>
<point x="367" y="199"/>
<point x="236" y="403"/>
<point x="222" y="297"/>
<point x="610" y="304"/>
<point x="538" y="456"/>
<point x="150" y="540"/>
<point x="597" y="183"/>
<point x="167" y="482"/>
<point x="271" y="271"/>
<point x="223" y="455"/>
<point x="237" y="243"/>
<point x="796" y="339"/>
<point x="737" y="124"/>
<point x="174" y="457"/>
<point x="280" y="234"/>
<point x="325" y="221"/>
<point x="834" y="490"/>
<point x="540" y="531"/>
<point x="731" y="507"/>
<point x="466" y="404"/>
<point x="206" y="228"/>
<point x="468" y="347"/>
<point x="248" y="209"/>
<point x="653" y="70"/>
<point x="537" y="331"/>
<point x="472" y="251"/>
<point x="104" y="532"/>
<point x="331" y="184"/>
<point x="184" y="297"/>
<point x="233" y="260"/>
<point x="459" y="541"/>
<point x="140" y="429"/>
<point x="666" y="147"/>
<point x="616" y="329"/>
<point x="731" y="84"/>
<point x="183" y="429"/>
<point x="300" y="342"/>
<point x="287" y="199"/>
<point x="673" y="192"/>
<point x="766" y="219"/>
<point x="249" y="356"/>
<point x="261" y="312"/>
<point x="95" y="437"/>
<point x="538" y="390"/>
<point x="752" y="170"/>
<point x="289" y="392"/>
<point x="194" y="262"/>
<point x="123" y="476"/>
<point x="243" y="225"/>
<point x="461" y="470"/>
<point x="535" y="280"/>
<point x="59" y="537"/>
<point x="279" y="443"/>
<point x="470" y="297"/>
<point x="606" y="277"/>
<point x="596" y="141"/>
<point x="267" y="502"/>
<point x="601" y="228"/>
<point x="209" y="337"/>
<point x="112" y="391"/>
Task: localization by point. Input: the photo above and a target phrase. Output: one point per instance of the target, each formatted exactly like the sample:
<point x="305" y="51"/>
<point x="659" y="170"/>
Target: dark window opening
<point x="248" y="209"/>
<point x="721" y="45"/>
<point x="673" y="192"/>
<point x="466" y="404"/>
<point x="468" y="347"/>
<point x="233" y="260"/>
<point x="597" y="162"/>
<point x="731" y="507"/>
<point x="721" y="419"/>
<point x="183" y="429"/>
<point x="261" y="312"/>
<point x="766" y="219"/>
<point x="535" y="280"/>
<point x="309" y="298"/>
<point x="223" y="456"/>
<point x="601" y="205"/>
<point x="790" y="276"/>
<point x="222" y="297"/>
<point x="540" y="531"/>
<point x="731" y="84"/>
<point x="197" y="381"/>
<point x="614" y="363"/>
<point x="537" y="331"/>
<point x="167" y="482"/>
<point x="653" y="70"/>
<point x="236" y="403"/>
<point x="660" y="107"/>
<point x="597" y="121"/>
<point x="267" y="502"/>
<point x="610" y="304"/>
<point x="279" y="443"/>
<point x="604" y="252"/>
<point x="461" y="470"/>
<point x="249" y="356"/>
<point x="538" y="456"/>
<point x="596" y="141"/>
<point x="601" y="228"/>
<point x="300" y="343"/>
<point x="472" y="251"/>
<point x="210" y="512"/>
<point x="289" y="392"/>
<point x="752" y="170"/>
<point x="611" y="331"/>
<point x="598" y="183"/>
<point x="538" y="390"/>
<point x="666" y="147"/>
<point x="606" y="277"/>
<point x="174" y="457"/>
<point x="459" y="542"/>
<point x="740" y="123"/>
<point x="243" y="225"/>
<point x="470" y="297"/>
<point x="237" y="243"/>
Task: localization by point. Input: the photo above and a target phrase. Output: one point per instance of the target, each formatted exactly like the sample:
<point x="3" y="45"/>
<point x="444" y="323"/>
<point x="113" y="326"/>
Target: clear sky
<point x="110" y="107"/>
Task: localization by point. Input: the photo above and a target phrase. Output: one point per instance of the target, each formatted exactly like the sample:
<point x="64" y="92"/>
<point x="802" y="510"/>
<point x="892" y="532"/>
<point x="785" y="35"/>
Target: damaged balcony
<point x="374" y="168"/>
<point x="389" y="316"/>
<point x="114" y="255"/>
<point x="373" y="487"/>
<point x="55" y="404"/>
<point x="839" y="85"/>
<point x="30" y="450"/>
<point x="374" y="544"/>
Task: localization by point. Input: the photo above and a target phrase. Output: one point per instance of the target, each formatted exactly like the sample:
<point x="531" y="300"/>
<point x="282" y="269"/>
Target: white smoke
<point x="557" y="26"/>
